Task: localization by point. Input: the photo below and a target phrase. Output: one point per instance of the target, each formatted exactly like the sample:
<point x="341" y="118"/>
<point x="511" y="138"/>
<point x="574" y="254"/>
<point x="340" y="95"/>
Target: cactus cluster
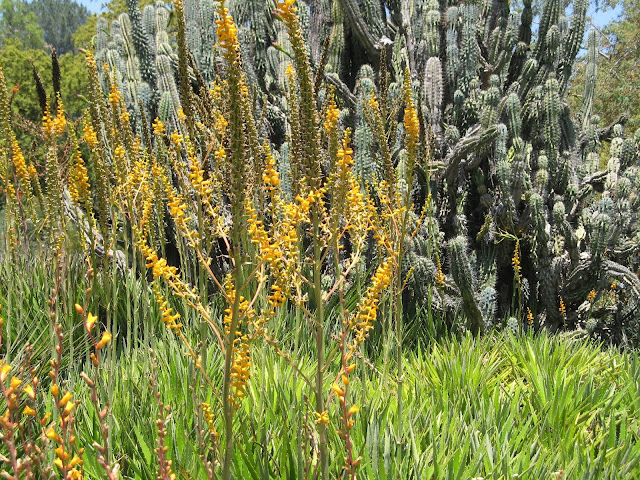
<point x="534" y="208"/>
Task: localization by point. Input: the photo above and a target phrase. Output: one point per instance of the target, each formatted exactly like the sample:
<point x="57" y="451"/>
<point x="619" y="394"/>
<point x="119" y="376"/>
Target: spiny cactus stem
<point x="360" y="28"/>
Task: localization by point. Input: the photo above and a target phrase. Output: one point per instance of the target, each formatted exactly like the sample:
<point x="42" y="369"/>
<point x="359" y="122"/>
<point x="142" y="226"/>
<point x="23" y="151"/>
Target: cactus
<point x="463" y="276"/>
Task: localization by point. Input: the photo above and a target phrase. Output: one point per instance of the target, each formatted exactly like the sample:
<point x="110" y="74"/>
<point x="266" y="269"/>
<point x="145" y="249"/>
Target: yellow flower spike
<point x="177" y="138"/>
<point x="76" y="460"/>
<point x="79" y="309"/>
<point x="333" y="115"/>
<point x="55" y="390"/>
<point x="90" y="322"/>
<point x="350" y="368"/>
<point x="227" y="31"/>
<point x="286" y="9"/>
<point x="90" y="135"/>
<point x="15" y="382"/>
<point x="33" y="173"/>
<point x="79" y="187"/>
<point x="106" y="338"/>
<point x="28" y="411"/>
<point x="47" y="121"/>
<point x="20" y="164"/>
<point x="58" y="463"/>
<point x="345" y="379"/>
<point x="114" y="96"/>
<point x="158" y="127"/>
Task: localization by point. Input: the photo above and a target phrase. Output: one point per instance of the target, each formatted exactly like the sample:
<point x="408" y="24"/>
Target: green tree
<point x="618" y="77"/>
<point x="17" y="61"/>
<point x="18" y="21"/>
<point x="59" y="19"/>
<point x="17" y="64"/>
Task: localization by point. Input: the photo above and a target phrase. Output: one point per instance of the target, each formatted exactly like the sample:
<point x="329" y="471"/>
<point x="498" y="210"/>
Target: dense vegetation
<point x="314" y="240"/>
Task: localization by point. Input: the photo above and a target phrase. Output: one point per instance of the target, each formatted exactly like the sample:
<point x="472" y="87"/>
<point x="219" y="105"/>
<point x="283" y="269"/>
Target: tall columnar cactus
<point x="142" y="43"/>
<point x="463" y="275"/>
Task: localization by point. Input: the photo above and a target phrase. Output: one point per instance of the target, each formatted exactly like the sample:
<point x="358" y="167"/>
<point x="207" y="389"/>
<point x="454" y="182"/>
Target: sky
<point x="94" y="6"/>
<point x="599" y="18"/>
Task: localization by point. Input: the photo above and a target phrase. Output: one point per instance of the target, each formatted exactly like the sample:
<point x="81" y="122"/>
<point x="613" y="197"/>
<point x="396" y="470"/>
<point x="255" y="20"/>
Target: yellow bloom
<point x="60" y="122"/>
<point x="20" y="164"/>
<point x="28" y="411"/>
<point x="227" y="31"/>
<point x="68" y="408"/>
<point x="29" y="391"/>
<point x="337" y="389"/>
<point x="322" y="417"/>
<point x="64" y="456"/>
<point x="65" y="398"/>
<point x="106" y="338"/>
<point x="75" y="474"/>
<point x="90" y="135"/>
<point x="90" y="322"/>
<point x="529" y="317"/>
<point x="563" y="308"/>
<point x="286" y="9"/>
<point x="368" y="307"/>
<point x="114" y="96"/>
<point x="4" y="370"/>
<point x="515" y="261"/>
<point x="15" y="382"/>
<point x="47" y="121"/>
<point x="79" y="180"/>
<point x="52" y="435"/>
<point x="177" y="138"/>
<point x="158" y="127"/>
<point x="333" y="114"/>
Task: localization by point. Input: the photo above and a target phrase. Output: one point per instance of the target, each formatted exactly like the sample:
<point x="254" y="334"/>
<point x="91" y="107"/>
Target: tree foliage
<point x="19" y="21"/>
<point x="59" y="19"/>
<point x="18" y="63"/>
<point x="618" y="79"/>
